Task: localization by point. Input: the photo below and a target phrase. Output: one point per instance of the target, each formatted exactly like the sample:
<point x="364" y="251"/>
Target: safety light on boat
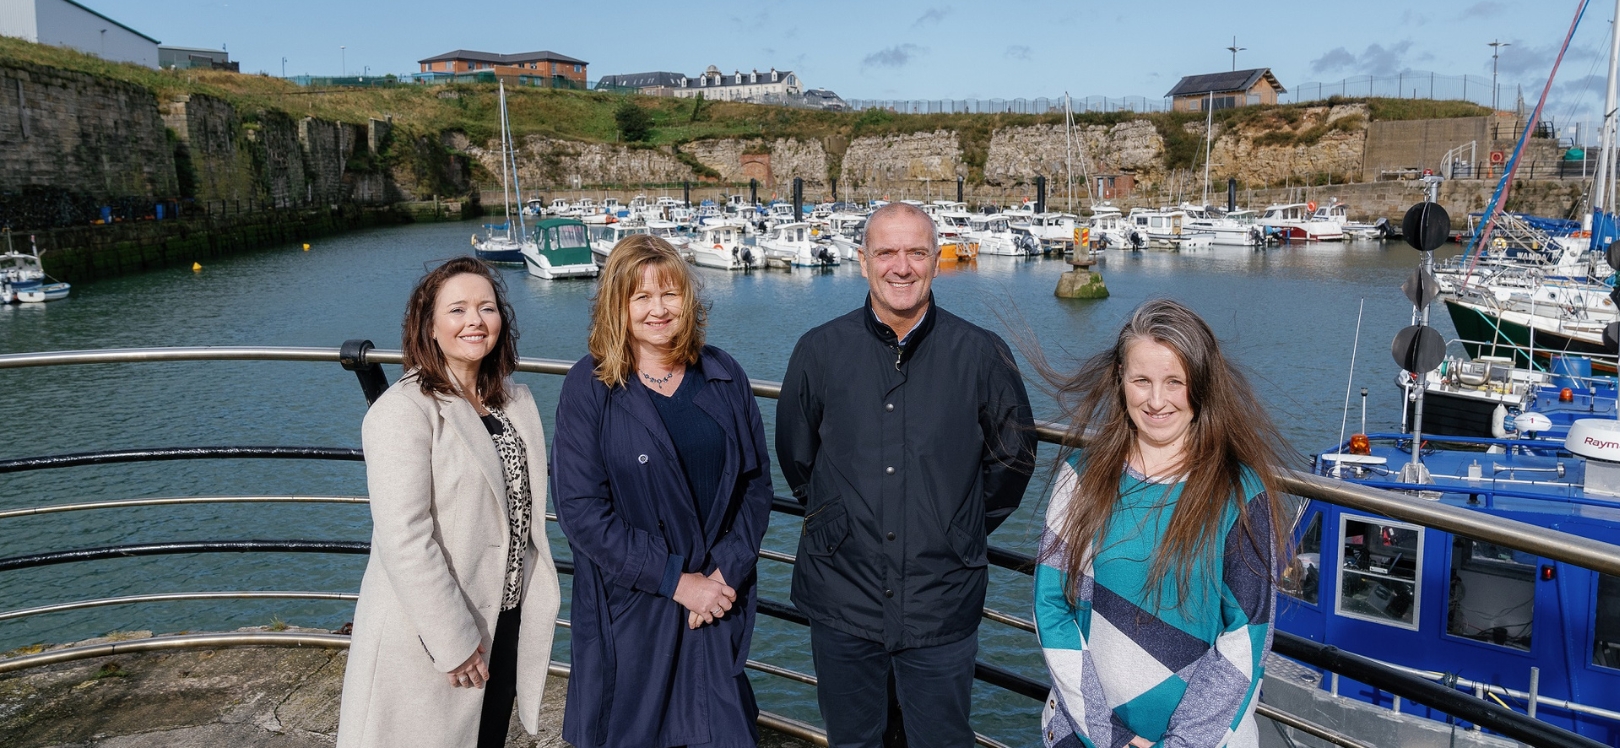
<point x="1566" y="395"/>
<point x="1360" y="445"/>
<point x="1546" y="572"/>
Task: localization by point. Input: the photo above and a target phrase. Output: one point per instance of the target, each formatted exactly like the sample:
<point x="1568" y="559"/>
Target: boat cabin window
<point x="1302" y="578"/>
<point x="1493" y="590"/>
<point x="568" y="236"/>
<point x="1380" y="565"/>
<point x="1606" y="629"/>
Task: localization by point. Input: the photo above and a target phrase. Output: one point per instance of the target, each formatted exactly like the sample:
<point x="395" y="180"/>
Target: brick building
<point x="1225" y="90"/>
<point x="557" y="70"/>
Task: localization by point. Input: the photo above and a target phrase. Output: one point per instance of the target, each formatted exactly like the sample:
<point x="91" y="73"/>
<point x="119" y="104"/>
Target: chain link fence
<point x="1411" y="85"/>
<point x="1040" y="105"/>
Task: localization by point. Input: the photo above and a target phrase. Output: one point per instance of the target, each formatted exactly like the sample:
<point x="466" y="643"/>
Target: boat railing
<point x="366" y="362"/>
<point x="1608" y="359"/>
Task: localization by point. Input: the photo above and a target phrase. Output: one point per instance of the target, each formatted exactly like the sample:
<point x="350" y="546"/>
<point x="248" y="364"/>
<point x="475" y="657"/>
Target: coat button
<point x="888" y="593"/>
<point x="891" y="536"/>
<point x="889" y="407"/>
<point x="660" y="524"/>
<point x="889" y="470"/>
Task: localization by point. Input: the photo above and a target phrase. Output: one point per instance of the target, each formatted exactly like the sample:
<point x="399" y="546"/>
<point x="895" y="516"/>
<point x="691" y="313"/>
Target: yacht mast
<point x="1068" y="146"/>
<point x="1209" y="132"/>
<point x="1603" y="183"/>
<point x="517" y="184"/>
<point x="506" y="179"/>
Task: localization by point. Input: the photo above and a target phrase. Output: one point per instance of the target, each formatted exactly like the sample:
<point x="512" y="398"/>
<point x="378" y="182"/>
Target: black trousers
<point x="934" y="686"/>
<point x="501" y="689"/>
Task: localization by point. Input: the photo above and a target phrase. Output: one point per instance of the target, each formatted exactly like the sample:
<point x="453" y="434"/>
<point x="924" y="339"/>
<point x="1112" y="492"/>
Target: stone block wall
<point x="97" y="136"/>
<point x="274" y="138"/>
<point x="1369" y="201"/>
<point x="892" y="159"/>
<point x="213" y="142"/>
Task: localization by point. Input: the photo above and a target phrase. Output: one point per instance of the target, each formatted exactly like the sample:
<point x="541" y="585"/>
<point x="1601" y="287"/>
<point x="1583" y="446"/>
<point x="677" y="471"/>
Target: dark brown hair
<point x="422" y="352"/>
<point x="1230" y="431"/>
<point x="610" y="342"/>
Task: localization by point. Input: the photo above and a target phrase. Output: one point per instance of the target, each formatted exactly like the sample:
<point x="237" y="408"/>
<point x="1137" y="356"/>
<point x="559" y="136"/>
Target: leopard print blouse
<point x="519" y="506"/>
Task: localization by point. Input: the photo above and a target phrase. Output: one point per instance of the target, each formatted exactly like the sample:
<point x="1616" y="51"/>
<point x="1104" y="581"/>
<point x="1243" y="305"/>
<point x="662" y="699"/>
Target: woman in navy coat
<point x="662" y="485"/>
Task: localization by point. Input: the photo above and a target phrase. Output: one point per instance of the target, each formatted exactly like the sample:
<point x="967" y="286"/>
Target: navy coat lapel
<point x="713" y="401"/>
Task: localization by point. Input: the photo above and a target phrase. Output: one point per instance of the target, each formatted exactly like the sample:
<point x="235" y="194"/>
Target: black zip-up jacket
<point x="905" y="457"/>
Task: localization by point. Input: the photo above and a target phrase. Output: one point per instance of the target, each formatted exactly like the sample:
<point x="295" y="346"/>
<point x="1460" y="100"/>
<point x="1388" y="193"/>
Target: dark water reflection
<point x="1288" y="315"/>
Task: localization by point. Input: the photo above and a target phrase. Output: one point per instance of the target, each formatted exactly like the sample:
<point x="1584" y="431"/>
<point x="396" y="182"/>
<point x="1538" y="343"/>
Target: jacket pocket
<point x="970" y="547"/>
<point x="826" y="529"/>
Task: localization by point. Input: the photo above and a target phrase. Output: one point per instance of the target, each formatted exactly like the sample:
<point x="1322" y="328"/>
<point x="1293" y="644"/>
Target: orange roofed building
<point x="553" y="70"/>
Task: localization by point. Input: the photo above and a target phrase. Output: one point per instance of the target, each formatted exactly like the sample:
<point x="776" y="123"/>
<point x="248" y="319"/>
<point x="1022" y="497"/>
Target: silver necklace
<point x="657" y="381"/>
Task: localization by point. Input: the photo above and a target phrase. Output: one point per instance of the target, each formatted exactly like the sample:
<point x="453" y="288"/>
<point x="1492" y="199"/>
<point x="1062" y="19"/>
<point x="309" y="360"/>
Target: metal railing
<point x="359" y="357"/>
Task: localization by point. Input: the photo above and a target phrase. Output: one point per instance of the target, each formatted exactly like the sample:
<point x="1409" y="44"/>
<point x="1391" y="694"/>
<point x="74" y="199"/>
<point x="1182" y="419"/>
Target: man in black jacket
<point x="906" y="433"/>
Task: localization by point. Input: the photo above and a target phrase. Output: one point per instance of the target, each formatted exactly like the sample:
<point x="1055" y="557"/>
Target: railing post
<point x="373" y="382"/>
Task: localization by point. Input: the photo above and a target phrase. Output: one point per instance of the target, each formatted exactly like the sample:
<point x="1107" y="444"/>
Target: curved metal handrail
<point x="177" y="597"/>
<point x="180" y="501"/>
<point x="1522" y="536"/>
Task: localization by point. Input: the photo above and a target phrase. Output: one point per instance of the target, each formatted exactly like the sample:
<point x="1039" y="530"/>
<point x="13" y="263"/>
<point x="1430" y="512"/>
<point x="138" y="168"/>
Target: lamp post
<point x="1496" y="49"/>
<point x="343" y="51"/>
<point x="1234" y="49"/>
<point x="283" y="67"/>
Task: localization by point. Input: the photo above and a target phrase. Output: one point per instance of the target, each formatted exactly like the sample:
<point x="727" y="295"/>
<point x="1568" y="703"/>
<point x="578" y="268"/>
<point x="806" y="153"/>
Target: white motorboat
<point x="1168" y="229"/>
<point x="1109" y="228"/>
<point x="993" y="235"/>
<point x="1054" y="230"/>
<point x="1235" y="228"/>
<point x="671" y="232"/>
<point x="605" y="238"/>
<point x="792" y="243"/>
<point x="23" y="280"/>
<point x="1297" y="222"/>
<point x="561" y="249"/>
<point x="720" y="245"/>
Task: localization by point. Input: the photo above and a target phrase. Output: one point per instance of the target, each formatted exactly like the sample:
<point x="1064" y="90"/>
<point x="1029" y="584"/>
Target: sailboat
<point x="505" y="247"/>
<point x="1535" y="303"/>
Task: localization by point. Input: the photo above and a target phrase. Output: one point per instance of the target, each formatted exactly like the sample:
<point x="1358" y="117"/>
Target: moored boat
<point x="561" y="249"/>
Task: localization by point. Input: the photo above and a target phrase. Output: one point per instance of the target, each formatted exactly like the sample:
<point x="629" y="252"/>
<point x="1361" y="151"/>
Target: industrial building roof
<point x="1236" y="80"/>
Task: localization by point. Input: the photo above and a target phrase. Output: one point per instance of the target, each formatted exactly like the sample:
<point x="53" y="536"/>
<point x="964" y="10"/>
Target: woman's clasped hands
<point x="706" y="598"/>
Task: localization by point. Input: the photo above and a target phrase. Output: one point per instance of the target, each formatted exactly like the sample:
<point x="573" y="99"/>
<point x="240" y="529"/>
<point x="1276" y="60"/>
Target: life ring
<point x="718" y="247"/>
<point x="1310" y="207"/>
<point x="1499" y="243"/>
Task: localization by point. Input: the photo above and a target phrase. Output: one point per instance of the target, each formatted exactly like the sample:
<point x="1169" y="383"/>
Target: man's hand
<point x="693" y="620"/>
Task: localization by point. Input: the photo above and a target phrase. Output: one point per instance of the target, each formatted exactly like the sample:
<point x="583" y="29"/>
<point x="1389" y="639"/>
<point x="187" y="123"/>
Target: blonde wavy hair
<point x="610" y="342"/>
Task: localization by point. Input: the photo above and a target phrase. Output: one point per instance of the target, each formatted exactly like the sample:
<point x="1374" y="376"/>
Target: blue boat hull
<point x="512" y="256"/>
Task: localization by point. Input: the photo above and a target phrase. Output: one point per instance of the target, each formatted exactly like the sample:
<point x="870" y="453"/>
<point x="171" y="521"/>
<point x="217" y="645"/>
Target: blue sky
<point x="919" y="50"/>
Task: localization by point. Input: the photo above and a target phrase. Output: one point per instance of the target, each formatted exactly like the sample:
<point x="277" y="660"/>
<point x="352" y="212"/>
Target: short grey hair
<point x="895" y="210"/>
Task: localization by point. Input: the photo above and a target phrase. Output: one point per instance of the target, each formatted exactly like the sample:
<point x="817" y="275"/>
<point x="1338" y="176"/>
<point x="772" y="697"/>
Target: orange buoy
<point x="1310" y="207"/>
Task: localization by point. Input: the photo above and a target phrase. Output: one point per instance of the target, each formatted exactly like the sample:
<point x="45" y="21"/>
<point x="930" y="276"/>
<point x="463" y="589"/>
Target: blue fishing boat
<point x="1536" y="635"/>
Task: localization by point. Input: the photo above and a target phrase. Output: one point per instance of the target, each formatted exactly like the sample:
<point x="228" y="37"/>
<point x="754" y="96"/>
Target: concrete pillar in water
<point x="1082" y="282"/>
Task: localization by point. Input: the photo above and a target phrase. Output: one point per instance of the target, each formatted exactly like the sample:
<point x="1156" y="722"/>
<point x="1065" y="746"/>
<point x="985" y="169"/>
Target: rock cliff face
<point x="550" y="162"/>
<point x="805" y="159"/>
<point x="933" y="156"/>
<point x="1018" y="154"/>
<point x="213" y="147"/>
<point x="1324" y="141"/>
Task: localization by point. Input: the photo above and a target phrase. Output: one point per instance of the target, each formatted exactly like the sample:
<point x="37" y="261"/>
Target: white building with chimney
<point x="65" y="23"/>
<point x="739" y="86"/>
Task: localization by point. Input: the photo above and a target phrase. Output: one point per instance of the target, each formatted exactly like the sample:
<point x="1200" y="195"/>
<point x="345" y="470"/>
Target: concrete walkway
<point x="247" y="697"/>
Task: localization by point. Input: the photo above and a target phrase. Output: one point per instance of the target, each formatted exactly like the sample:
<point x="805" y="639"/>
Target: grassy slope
<point x="581" y="115"/>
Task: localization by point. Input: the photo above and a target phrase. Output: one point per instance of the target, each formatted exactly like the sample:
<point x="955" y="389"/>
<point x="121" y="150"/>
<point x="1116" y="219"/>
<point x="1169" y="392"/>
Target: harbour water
<point x="1289" y="315"/>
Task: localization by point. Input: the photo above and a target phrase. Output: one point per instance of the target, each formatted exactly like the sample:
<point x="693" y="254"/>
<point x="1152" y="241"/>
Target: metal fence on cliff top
<point x="1404" y="85"/>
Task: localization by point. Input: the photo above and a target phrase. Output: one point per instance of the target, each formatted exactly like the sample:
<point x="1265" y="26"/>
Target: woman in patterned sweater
<point x="1154" y="592"/>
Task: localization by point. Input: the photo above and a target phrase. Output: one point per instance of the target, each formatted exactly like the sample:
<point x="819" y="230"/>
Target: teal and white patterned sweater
<point x="1182" y="676"/>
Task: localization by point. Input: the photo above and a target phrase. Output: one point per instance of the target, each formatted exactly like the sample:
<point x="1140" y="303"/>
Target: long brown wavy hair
<point x="610" y="342"/>
<point x="1230" y="431"/>
<point x="422" y="352"/>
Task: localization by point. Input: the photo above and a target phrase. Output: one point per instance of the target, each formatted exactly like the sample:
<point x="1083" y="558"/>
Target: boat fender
<point x="474" y="241"/>
<point x="1499" y="422"/>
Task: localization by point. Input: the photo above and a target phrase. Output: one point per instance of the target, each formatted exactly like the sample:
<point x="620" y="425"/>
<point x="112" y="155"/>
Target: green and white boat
<point x="561" y="248"/>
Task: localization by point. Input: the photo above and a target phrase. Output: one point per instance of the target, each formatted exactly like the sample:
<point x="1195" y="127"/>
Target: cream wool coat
<point x="432" y="588"/>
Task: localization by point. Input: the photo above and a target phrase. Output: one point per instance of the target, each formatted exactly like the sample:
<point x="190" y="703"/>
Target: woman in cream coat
<point x="443" y="599"/>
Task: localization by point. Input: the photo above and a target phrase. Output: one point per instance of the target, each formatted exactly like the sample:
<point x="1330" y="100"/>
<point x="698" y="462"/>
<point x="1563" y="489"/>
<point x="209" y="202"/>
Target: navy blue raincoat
<point x="640" y="677"/>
